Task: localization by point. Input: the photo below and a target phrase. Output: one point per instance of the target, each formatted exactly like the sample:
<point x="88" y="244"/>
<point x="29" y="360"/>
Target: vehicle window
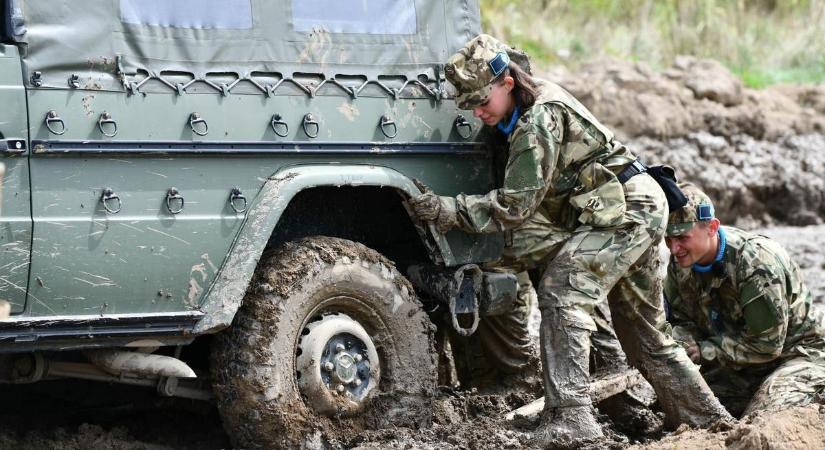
<point x="355" y="16"/>
<point x="203" y="14"/>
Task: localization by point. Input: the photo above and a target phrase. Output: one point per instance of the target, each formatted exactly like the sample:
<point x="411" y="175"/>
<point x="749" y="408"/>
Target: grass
<point x="764" y="42"/>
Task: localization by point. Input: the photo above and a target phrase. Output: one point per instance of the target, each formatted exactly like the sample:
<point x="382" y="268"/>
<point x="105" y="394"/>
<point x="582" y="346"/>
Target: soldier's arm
<point x="764" y="310"/>
<point x="532" y="157"/>
<point x="680" y="326"/>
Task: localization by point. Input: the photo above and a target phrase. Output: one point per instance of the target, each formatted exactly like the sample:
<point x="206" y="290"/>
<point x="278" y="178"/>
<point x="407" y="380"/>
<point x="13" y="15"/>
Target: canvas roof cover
<point x="108" y="41"/>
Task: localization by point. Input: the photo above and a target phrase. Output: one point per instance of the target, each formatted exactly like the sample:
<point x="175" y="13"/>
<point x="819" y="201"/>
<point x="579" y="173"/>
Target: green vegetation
<point x="763" y="41"/>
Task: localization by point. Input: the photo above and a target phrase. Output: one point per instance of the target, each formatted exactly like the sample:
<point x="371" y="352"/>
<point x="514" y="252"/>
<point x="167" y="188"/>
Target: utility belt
<point x="665" y="176"/>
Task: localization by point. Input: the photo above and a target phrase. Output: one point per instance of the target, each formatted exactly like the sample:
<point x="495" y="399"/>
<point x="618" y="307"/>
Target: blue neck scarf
<point x="512" y="124"/>
<point x="719" y="254"/>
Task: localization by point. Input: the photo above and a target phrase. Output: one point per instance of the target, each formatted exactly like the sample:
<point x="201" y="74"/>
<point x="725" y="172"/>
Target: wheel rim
<point x="337" y="367"/>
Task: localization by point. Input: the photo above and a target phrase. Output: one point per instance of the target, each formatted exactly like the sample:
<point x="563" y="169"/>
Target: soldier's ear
<point x="713" y="225"/>
<point x="508" y="82"/>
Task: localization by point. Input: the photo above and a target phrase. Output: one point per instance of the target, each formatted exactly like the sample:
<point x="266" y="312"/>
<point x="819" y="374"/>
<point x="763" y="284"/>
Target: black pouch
<point x="666" y="177"/>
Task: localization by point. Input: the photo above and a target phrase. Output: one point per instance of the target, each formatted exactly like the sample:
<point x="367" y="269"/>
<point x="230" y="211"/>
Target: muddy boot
<point x="568" y="427"/>
<point x="568" y="417"/>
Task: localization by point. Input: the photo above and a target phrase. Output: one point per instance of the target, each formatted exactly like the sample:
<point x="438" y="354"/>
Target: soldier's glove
<point x="426" y="206"/>
<point x="447" y="217"/>
<point x="429" y="207"/>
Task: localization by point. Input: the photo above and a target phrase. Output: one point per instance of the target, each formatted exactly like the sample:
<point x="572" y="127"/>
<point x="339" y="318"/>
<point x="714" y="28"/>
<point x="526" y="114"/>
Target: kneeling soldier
<point x="739" y="305"/>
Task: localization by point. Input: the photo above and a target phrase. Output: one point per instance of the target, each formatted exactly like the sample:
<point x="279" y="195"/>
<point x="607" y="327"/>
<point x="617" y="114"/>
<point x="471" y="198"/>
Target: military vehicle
<point x="208" y="197"/>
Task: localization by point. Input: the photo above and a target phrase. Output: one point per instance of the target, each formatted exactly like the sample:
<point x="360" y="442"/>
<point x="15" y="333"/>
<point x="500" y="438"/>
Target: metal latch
<point x="106" y="122"/>
<point x="173" y="195"/>
<point x="461" y="123"/>
<point x="36" y="79"/>
<point x="108" y="196"/>
<point x="194" y="119"/>
<point x="53" y="118"/>
<point x="309" y="123"/>
<point x="388" y="126"/>
<point x="277" y="123"/>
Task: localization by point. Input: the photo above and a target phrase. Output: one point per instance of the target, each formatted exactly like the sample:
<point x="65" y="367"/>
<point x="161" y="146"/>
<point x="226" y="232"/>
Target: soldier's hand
<point x="447" y="219"/>
<point x="693" y="352"/>
<point x="426" y="206"/>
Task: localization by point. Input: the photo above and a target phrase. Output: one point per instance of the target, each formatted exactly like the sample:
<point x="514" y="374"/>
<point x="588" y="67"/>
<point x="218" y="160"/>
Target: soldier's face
<point x="499" y="104"/>
<point x="695" y="246"/>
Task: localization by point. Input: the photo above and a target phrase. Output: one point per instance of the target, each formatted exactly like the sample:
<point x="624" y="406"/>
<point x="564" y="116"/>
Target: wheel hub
<point x="337" y="366"/>
<point x="345" y="369"/>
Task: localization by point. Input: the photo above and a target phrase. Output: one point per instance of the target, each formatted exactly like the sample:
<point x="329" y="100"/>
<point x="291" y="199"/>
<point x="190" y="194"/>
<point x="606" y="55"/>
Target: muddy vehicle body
<point x="232" y="175"/>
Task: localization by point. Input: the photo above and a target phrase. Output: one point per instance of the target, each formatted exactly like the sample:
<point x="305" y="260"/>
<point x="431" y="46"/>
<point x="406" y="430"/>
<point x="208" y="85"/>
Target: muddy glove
<point x="429" y="207"/>
<point x="426" y="206"/>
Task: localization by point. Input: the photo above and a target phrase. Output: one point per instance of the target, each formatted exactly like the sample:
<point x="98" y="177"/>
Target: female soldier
<point x="565" y="173"/>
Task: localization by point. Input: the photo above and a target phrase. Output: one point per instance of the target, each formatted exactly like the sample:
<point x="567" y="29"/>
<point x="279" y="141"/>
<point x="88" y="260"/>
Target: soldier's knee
<point x="568" y="317"/>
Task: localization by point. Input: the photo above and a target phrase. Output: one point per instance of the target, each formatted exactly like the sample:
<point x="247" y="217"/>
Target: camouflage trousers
<point x="621" y="264"/>
<point x="795" y="382"/>
<point x="501" y="346"/>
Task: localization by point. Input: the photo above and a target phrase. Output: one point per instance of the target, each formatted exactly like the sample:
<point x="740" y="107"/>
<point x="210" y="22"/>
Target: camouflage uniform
<point x="762" y="343"/>
<point x="560" y="173"/>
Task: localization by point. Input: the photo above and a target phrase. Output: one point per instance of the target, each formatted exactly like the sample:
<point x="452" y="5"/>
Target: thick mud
<point x="759" y="154"/>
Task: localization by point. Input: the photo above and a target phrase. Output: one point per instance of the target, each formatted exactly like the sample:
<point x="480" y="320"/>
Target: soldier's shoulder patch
<point x="760" y="315"/>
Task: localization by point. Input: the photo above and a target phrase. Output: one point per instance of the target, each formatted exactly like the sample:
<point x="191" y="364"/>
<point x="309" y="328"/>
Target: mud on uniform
<point x="762" y="343"/>
<point x="560" y="174"/>
<point x="502" y="344"/>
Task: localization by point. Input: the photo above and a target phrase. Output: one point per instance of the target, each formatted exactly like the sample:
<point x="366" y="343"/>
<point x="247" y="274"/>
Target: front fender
<point x="226" y="294"/>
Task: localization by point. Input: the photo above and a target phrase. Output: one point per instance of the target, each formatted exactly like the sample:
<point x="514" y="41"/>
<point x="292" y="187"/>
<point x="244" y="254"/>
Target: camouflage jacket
<point x="759" y="313"/>
<point x="559" y="162"/>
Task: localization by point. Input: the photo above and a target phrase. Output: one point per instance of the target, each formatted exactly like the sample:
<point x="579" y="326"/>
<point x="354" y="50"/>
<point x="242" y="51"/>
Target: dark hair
<point x="525" y="89"/>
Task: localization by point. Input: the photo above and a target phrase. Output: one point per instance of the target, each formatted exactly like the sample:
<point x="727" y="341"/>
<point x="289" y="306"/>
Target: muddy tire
<point x="330" y="339"/>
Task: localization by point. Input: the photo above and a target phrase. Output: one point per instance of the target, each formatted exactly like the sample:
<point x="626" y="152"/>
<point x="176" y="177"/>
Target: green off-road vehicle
<point x="231" y="175"/>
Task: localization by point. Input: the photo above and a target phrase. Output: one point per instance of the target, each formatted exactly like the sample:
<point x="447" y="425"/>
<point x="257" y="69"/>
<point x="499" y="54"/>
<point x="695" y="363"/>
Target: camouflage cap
<point x="471" y="72"/>
<point x="699" y="208"/>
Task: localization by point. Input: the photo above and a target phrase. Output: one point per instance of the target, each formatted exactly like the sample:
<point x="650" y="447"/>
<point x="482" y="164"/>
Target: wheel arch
<point x="225" y="295"/>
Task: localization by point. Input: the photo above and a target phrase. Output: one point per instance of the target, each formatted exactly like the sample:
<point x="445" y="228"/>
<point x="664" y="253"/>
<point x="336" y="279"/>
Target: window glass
<point x="209" y="14"/>
<point x="355" y="16"/>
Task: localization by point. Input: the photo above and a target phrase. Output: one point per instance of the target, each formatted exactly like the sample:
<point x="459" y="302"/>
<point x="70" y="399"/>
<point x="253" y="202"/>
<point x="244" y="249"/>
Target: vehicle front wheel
<point x="330" y="339"/>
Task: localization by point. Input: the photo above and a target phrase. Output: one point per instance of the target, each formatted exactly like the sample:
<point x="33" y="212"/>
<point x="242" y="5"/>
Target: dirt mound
<point x="796" y="428"/>
<point x="752" y="182"/>
<point x="694" y="95"/>
<point x="760" y="154"/>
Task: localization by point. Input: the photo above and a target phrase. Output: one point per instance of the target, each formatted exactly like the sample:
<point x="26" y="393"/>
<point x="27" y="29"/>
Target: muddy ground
<point x="761" y="156"/>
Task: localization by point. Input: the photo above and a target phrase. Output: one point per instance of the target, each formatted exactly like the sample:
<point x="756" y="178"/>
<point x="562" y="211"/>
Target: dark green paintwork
<point x="145" y="260"/>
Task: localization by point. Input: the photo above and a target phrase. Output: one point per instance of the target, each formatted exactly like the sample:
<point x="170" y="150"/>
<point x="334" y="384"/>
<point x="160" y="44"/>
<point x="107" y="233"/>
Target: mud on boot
<point x="567" y="428"/>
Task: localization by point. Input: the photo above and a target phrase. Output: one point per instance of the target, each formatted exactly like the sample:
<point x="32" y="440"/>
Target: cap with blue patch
<point x="473" y="69"/>
<point x="698" y="208"/>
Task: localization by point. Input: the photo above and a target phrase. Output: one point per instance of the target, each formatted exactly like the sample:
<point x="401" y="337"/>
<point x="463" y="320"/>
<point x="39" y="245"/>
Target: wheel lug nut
<point x="328" y="366"/>
<point x="339" y="348"/>
<point x="358" y="357"/>
<point x="356" y="382"/>
<point x="340" y="388"/>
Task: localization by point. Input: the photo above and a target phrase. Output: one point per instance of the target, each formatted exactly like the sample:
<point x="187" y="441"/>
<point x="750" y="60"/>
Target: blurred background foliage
<point x="763" y="41"/>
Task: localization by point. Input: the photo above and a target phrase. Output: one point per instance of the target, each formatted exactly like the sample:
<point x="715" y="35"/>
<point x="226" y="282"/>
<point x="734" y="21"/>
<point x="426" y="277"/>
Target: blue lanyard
<point x="719" y="254"/>
<point x="512" y="125"/>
